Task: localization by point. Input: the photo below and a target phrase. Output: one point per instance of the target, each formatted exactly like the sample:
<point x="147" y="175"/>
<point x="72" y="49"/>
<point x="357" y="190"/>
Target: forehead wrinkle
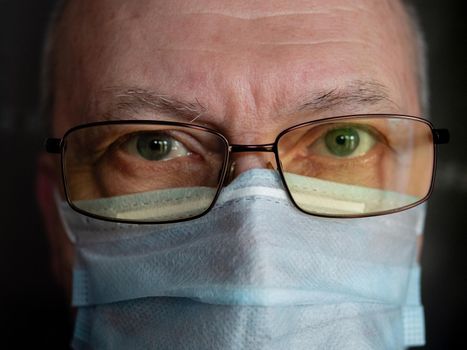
<point x="234" y="46"/>
<point x="214" y="30"/>
<point x="130" y="102"/>
<point x="262" y="9"/>
<point x="289" y="33"/>
<point x="255" y="16"/>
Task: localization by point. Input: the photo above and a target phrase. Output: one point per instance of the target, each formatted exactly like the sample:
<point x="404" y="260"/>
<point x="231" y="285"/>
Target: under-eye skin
<point x="154" y="146"/>
<point x="349" y="141"/>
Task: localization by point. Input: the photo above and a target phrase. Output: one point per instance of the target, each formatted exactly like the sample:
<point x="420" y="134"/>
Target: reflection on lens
<point x="357" y="166"/>
<point x="161" y="205"/>
<point x="143" y="172"/>
<point x="332" y="198"/>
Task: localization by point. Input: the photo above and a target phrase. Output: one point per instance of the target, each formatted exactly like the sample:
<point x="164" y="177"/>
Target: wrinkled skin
<point x="252" y="68"/>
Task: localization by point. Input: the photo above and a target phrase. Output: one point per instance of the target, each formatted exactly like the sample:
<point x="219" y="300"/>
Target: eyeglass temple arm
<point x="440" y="136"/>
<point x="53" y="145"/>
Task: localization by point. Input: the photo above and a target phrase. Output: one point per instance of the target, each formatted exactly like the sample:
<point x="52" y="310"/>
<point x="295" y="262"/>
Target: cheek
<point x="421" y="173"/>
<point x="113" y="177"/>
<point x="81" y="183"/>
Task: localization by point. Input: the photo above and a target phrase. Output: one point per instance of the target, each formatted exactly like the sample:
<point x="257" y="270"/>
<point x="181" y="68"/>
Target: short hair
<point x="50" y="57"/>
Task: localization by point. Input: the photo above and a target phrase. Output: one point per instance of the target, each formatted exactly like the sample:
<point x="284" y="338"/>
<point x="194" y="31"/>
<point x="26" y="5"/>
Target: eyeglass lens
<point x="143" y="172"/>
<point x="358" y="166"/>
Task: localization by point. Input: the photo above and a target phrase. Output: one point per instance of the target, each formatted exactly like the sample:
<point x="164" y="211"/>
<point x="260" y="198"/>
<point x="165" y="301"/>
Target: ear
<point x="48" y="180"/>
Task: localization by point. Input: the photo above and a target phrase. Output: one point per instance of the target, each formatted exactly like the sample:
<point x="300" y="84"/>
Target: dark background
<point x="32" y="312"/>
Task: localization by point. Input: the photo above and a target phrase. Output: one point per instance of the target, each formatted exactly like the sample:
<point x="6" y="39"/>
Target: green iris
<point x="342" y="142"/>
<point x="154" y="146"/>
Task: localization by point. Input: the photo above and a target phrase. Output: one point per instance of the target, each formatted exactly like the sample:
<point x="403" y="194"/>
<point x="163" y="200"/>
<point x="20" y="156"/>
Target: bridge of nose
<point x="246" y="157"/>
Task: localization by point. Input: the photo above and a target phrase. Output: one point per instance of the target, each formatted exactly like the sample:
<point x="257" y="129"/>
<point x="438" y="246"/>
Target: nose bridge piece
<point x="268" y="147"/>
<point x="242" y="163"/>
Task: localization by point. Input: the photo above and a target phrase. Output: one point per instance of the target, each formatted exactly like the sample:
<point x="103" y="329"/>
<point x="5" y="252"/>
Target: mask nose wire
<point x="232" y="166"/>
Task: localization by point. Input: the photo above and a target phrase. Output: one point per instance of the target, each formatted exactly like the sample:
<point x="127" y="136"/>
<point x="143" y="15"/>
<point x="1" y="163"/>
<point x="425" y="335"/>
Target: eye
<point x="345" y="142"/>
<point x="155" y="146"/>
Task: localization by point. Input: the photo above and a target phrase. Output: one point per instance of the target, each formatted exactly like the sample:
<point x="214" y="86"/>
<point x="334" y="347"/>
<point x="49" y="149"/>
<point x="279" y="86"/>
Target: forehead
<point x="235" y="56"/>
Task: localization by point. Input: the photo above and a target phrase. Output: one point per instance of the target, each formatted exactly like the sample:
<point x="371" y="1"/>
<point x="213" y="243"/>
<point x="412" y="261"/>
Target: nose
<point x="241" y="162"/>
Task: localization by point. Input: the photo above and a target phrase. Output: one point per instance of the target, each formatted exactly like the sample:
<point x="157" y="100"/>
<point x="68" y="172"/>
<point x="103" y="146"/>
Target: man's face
<point x="248" y="69"/>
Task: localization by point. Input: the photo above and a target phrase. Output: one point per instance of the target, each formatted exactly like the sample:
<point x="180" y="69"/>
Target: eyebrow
<point x="136" y="100"/>
<point x="357" y="93"/>
<point x="133" y="100"/>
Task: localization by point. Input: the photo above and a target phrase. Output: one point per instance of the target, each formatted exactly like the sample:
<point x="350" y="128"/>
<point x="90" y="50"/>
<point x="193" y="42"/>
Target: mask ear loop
<point x="59" y="202"/>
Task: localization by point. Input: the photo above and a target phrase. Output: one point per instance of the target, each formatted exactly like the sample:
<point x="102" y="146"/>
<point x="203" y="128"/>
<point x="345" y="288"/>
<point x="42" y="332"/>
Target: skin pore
<point x="248" y="69"/>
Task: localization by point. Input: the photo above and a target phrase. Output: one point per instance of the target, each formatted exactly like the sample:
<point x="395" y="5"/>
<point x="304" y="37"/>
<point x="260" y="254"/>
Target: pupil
<point x="340" y="140"/>
<point x="154" y="146"/>
<point x="158" y="145"/>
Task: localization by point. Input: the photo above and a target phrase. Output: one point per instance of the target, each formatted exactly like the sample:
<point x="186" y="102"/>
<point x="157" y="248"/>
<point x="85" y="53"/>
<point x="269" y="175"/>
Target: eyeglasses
<point x="141" y="171"/>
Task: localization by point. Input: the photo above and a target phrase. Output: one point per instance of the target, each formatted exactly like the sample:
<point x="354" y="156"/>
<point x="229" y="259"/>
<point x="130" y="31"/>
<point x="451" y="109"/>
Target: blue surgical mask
<point x="253" y="273"/>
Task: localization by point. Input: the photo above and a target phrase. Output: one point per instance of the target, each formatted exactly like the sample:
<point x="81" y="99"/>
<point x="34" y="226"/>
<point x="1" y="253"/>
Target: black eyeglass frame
<point x="58" y="146"/>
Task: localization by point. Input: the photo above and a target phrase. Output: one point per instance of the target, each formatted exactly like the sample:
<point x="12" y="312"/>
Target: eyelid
<point x="370" y="129"/>
<point x="319" y="135"/>
<point x="190" y="142"/>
